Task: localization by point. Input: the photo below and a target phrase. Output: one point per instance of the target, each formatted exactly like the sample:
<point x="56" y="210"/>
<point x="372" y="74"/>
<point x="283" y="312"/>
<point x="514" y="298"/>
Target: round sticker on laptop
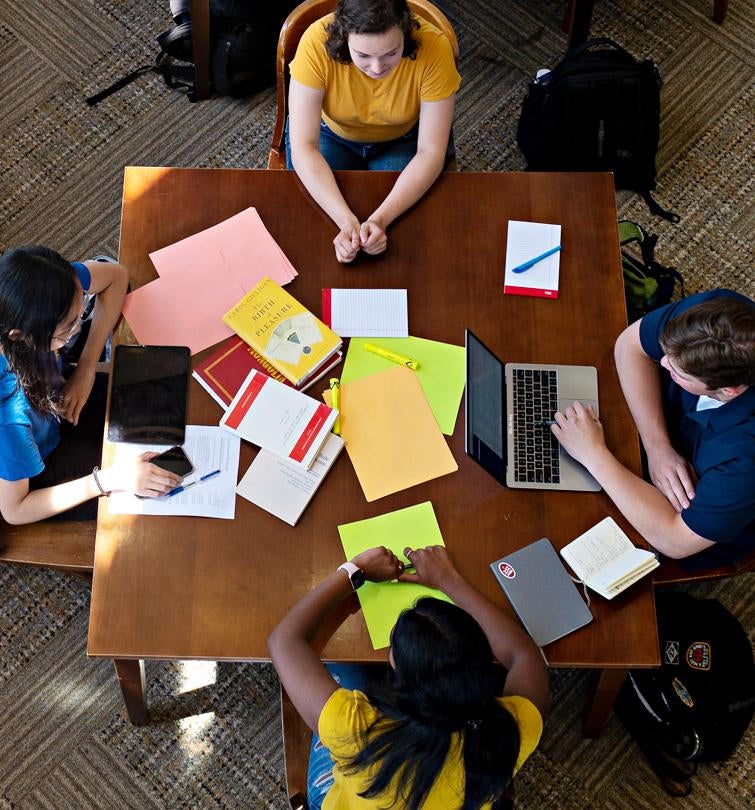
<point x="507" y="570"/>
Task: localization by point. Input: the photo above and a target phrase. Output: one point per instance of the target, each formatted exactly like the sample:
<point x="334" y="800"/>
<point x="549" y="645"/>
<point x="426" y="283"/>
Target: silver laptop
<point x="543" y="595"/>
<point x="506" y="408"/>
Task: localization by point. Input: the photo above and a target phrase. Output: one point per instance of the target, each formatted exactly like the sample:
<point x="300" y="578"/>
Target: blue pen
<point x="184" y="487"/>
<point x="532" y="262"/>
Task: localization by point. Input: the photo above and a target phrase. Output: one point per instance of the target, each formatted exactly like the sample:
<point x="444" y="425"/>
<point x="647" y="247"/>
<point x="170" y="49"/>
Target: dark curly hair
<point x="37" y="289"/>
<point x="444" y="684"/>
<point x="369" y="17"/>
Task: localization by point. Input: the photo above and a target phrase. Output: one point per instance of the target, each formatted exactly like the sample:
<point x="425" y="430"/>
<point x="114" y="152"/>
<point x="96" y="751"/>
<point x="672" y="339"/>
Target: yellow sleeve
<point x="343" y="722"/>
<point x="530" y="723"/>
<point x="440" y="78"/>
<point x="310" y="64"/>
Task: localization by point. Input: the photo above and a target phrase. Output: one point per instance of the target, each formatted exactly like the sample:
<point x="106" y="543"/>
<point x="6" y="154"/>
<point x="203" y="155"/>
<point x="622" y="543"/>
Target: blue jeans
<point x="386" y="156"/>
<point x="320" y="772"/>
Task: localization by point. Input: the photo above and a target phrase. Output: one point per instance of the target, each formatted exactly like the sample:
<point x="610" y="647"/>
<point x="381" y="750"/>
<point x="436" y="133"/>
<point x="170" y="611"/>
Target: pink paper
<point x="186" y="308"/>
<point x="247" y="246"/>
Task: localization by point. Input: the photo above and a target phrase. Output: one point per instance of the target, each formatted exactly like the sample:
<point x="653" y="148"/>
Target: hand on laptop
<point x="580" y="433"/>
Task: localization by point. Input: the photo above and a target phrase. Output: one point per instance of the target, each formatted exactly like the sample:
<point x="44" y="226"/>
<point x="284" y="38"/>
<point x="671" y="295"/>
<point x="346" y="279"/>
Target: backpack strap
<point x="175" y="77"/>
<point x="657" y="209"/>
<point x="594" y="43"/>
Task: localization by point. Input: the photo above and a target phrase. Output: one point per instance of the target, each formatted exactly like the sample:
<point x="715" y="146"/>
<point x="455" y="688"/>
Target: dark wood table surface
<point x="178" y="587"/>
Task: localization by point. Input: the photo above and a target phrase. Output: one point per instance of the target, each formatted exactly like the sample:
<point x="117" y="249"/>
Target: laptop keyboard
<point x="536" y="449"/>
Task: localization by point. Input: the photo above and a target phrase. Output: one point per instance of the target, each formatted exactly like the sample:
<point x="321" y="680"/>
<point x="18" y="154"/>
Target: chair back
<point x="295" y="25"/>
<point x="297" y="740"/>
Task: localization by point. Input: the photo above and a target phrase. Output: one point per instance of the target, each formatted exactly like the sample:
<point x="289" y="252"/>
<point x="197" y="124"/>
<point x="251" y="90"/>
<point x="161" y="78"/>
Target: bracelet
<point x="97" y="481"/>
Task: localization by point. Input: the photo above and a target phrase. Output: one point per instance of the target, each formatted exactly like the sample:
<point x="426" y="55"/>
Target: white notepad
<point x="524" y="242"/>
<point x="605" y="559"/>
<point x="366" y="313"/>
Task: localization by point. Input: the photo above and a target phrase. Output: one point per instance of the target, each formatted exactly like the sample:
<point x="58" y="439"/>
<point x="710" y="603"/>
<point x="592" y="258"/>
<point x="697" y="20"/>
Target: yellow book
<point x="282" y="330"/>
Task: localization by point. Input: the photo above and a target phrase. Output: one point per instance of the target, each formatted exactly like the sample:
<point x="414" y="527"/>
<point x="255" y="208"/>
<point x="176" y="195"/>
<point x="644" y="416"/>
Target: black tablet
<point x="148" y="394"/>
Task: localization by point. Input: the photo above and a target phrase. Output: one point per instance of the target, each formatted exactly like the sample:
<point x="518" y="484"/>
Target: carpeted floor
<point x="214" y="738"/>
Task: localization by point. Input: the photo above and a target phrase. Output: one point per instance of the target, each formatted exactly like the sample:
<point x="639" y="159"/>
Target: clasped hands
<point x="432" y="565"/>
<point x="368" y="236"/>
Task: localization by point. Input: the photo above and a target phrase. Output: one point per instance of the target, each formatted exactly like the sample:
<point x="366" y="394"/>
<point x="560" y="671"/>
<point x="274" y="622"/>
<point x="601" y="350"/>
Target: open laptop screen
<point x="484" y="408"/>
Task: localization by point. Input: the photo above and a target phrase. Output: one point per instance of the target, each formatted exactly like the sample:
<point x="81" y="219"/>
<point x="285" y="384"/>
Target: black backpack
<point x="242" y="45"/>
<point x="697" y="706"/>
<point x="647" y="283"/>
<point x="599" y="109"/>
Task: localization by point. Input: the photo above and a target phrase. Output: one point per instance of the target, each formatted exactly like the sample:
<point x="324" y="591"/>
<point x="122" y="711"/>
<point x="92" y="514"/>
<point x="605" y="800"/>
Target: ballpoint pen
<point x="184" y="487"/>
<point x="532" y="262"/>
<point x="335" y="403"/>
<point x="392" y="356"/>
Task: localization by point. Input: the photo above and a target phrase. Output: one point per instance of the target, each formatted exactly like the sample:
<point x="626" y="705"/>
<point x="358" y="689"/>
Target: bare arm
<point x="640" y="380"/>
<point x="435" y="119"/>
<point x="305" y="110"/>
<point x="19" y="504"/>
<point x="647" y="509"/>
<point x="300" y="669"/>
<point x="527" y="673"/>
<point x="109" y="282"/>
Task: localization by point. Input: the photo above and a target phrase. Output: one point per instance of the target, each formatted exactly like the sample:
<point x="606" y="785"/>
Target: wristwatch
<point x="354" y="573"/>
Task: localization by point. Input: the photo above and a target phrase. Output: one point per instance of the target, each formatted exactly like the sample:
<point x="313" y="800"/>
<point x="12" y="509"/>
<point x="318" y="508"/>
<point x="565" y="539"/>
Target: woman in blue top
<point x="50" y="427"/>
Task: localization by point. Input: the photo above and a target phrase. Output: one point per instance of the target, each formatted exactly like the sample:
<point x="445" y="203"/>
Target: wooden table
<point x="177" y="587"/>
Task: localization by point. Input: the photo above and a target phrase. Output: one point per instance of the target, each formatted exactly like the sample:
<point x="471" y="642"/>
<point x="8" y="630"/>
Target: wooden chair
<point x="670" y="572"/>
<point x="62" y="545"/>
<point x="295" y="25"/>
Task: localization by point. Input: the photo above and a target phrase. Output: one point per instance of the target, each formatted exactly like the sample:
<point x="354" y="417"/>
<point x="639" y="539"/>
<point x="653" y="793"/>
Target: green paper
<point x="382" y="602"/>
<point x="441" y="373"/>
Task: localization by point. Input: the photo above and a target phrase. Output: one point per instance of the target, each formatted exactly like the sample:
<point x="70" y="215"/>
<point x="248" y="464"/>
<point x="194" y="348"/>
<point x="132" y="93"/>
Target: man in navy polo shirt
<point x="696" y="422"/>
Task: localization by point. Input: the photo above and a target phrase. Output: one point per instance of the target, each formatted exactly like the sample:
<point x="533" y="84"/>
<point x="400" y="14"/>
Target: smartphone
<point x="174" y="460"/>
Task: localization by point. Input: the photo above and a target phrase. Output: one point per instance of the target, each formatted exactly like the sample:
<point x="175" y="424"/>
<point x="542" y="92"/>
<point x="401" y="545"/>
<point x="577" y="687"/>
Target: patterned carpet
<point x="214" y="737"/>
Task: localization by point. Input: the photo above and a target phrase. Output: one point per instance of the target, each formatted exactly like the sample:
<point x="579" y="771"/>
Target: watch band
<point x="354" y="573"/>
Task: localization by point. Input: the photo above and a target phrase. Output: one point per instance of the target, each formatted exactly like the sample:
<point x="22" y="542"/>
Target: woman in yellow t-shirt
<point x="437" y="734"/>
<point x="372" y="87"/>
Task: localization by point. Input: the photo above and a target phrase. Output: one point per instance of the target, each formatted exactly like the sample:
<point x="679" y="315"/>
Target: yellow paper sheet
<point x="391" y="435"/>
<point x="383" y="602"/>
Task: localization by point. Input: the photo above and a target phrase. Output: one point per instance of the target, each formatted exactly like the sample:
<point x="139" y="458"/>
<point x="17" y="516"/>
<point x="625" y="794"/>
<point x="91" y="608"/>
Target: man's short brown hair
<point x="714" y="341"/>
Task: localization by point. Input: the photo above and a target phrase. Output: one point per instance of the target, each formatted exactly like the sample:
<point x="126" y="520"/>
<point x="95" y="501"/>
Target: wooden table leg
<point x="607" y="685"/>
<point x="130" y="672"/>
<point x="577" y="20"/>
<point x="200" y="42"/>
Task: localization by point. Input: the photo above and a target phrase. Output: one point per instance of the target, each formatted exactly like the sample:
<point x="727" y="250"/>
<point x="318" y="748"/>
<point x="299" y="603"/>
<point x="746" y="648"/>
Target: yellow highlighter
<point x="392" y="356"/>
<point x="335" y="403"/>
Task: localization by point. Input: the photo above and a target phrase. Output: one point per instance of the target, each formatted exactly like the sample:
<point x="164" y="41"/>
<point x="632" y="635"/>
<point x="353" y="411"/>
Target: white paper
<point x="208" y="448"/>
<point x="282" y="487"/>
<point x="525" y="241"/>
<point x="369" y="313"/>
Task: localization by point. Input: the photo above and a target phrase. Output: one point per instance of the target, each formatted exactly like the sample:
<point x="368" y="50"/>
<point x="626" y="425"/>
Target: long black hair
<point x="369" y="17"/>
<point x="37" y="289"/>
<point x="444" y="684"/>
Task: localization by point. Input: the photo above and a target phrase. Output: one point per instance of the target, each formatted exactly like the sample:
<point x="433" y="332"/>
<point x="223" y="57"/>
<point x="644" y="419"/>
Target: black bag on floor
<point x="599" y="109"/>
<point x="697" y="706"/>
<point x="242" y="50"/>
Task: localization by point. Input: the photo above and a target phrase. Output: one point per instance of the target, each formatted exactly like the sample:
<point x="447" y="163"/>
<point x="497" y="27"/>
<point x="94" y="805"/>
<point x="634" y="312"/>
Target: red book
<point x="222" y="373"/>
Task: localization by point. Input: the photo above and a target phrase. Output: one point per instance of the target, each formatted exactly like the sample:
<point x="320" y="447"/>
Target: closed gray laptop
<point x="507" y="408"/>
<point x="543" y="595"/>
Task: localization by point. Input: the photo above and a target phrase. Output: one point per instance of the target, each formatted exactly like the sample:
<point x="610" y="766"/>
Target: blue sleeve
<point x="83" y="274"/>
<point x="724" y="502"/>
<point x="20" y="457"/>
<point x="653" y="324"/>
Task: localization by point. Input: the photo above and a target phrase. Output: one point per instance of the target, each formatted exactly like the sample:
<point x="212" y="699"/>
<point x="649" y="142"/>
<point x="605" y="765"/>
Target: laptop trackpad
<point x="563" y="404"/>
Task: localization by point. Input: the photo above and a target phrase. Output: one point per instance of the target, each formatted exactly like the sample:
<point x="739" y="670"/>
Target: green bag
<point x="647" y="284"/>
